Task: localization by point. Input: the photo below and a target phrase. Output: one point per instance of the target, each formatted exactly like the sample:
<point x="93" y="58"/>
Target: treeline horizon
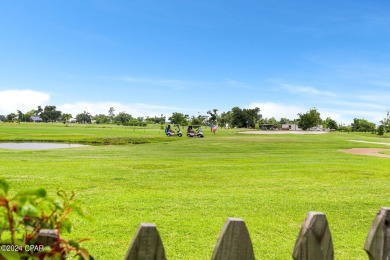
<point x="236" y="117"/>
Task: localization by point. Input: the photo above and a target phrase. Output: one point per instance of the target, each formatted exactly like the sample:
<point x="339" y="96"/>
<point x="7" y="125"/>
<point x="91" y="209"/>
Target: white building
<point x="292" y="127"/>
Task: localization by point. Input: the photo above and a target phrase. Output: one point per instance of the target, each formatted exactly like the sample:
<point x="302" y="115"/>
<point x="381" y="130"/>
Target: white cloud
<point x="169" y="83"/>
<point x="298" y="89"/>
<point x="23" y="100"/>
<point x="175" y="84"/>
<point x="344" y="116"/>
<point x="342" y="104"/>
<point x="339" y="118"/>
<point x="270" y="109"/>
<point x="375" y="98"/>
<point x="384" y="84"/>
<point x="158" y="82"/>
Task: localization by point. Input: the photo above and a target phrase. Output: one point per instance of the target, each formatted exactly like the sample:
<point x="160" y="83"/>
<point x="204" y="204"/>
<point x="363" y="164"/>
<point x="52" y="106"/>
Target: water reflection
<point x="37" y="146"/>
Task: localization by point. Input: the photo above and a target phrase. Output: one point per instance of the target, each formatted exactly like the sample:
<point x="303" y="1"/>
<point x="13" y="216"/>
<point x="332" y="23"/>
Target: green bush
<point x="381" y="130"/>
<point x="25" y="217"/>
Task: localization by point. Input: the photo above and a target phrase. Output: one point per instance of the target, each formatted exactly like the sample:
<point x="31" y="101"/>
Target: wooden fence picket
<point x="47" y="237"/>
<point x="146" y="244"/>
<point x="314" y="240"/>
<point x="377" y="243"/>
<point x="234" y="242"/>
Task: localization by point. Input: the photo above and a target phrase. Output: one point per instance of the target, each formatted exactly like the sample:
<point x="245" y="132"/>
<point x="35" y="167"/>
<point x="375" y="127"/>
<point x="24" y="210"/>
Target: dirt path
<point x="368" y="151"/>
<point x="367" y="142"/>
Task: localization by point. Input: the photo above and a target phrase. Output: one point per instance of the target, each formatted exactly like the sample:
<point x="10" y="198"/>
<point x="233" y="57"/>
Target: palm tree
<point x="83" y="118"/>
<point x="66" y="118"/>
<point x="111" y="113"/>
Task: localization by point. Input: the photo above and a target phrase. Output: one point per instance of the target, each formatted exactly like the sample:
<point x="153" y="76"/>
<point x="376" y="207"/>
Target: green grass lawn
<point x="188" y="187"/>
<point x="71" y="133"/>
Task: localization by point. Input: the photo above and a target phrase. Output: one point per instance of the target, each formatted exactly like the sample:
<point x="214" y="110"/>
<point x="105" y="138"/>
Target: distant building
<point x="317" y="128"/>
<point x="2" y="118"/>
<point x="292" y="127"/>
<point x="36" y="119"/>
<point x="267" y="127"/>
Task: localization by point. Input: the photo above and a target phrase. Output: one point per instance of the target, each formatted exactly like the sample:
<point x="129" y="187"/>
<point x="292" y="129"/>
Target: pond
<point x="37" y="146"/>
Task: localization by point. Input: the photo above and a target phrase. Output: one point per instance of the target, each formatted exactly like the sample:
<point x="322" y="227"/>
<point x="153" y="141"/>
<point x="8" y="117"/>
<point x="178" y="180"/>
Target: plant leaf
<point x="58" y="204"/>
<point x="66" y="225"/>
<point x="4" y="186"/>
<point x="74" y="244"/>
<point x="84" y="253"/>
<point x="41" y="193"/>
<point x="11" y="255"/>
<point x="28" y="209"/>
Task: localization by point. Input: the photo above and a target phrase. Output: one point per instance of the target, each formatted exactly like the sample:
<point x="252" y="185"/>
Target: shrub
<point x="32" y="224"/>
<point x="381" y="130"/>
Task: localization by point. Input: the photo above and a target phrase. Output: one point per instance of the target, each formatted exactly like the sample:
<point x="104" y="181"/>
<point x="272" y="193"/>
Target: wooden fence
<point x="314" y="240"/>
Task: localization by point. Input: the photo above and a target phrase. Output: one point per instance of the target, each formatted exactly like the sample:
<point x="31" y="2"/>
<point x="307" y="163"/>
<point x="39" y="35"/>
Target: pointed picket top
<point x="377" y="243"/>
<point x="47" y="237"/>
<point x="314" y="240"/>
<point x="146" y="244"/>
<point x="234" y="242"/>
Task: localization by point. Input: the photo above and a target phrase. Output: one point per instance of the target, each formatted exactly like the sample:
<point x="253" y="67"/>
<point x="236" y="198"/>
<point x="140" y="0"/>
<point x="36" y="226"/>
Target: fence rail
<point x="313" y="242"/>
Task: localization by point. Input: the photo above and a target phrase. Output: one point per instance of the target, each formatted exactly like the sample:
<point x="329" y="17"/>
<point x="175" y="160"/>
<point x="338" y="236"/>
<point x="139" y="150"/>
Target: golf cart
<point x="170" y="132"/>
<point x="194" y="130"/>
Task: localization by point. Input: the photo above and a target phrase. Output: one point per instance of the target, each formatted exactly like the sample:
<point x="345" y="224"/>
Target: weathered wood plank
<point x="47" y="237"/>
<point x="377" y="243"/>
<point x="234" y="242"/>
<point x="314" y="240"/>
<point x="146" y="244"/>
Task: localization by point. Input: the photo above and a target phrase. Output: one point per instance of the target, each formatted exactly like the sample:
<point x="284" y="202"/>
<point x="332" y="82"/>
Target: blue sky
<point x="158" y="57"/>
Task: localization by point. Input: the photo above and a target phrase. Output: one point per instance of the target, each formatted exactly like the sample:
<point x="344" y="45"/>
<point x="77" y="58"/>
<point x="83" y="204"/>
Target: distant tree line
<point x="51" y="114"/>
<point x="236" y="117"/>
<point x="251" y="118"/>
